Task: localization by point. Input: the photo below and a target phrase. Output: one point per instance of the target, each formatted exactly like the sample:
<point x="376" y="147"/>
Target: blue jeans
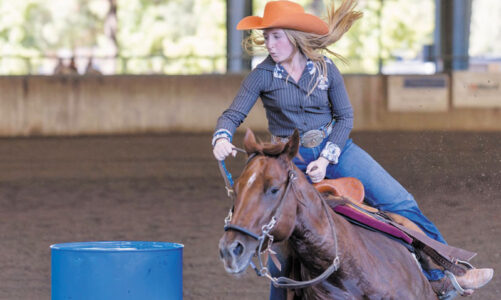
<point x="382" y="191"/>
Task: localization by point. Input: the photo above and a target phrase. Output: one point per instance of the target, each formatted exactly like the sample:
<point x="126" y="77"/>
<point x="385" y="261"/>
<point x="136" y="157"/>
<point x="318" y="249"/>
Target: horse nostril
<point x="239" y="248"/>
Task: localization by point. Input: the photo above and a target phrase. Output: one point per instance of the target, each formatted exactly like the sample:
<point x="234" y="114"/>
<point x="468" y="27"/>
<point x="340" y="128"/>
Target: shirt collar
<point x="279" y="71"/>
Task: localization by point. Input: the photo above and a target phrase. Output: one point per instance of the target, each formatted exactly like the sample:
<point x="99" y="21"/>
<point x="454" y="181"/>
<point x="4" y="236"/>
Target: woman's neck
<point x="295" y="65"/>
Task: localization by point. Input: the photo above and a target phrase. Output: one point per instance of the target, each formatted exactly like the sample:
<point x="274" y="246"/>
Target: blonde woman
<point x="301" y="88"/>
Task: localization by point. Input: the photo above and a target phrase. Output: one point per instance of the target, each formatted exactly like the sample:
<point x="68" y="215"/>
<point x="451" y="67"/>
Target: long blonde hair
<point x="312" y="45"/>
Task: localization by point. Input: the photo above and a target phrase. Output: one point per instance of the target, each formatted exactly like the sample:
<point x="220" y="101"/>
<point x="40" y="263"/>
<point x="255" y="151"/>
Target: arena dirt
<point x="167" y="188"/>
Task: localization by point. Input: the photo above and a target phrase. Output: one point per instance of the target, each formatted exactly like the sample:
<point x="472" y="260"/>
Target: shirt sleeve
<point x="341" y="107"/>
<point x="245" y="99"/>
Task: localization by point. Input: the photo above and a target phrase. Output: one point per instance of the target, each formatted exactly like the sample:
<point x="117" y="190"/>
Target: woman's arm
<point x="342" y="112"/>
<point x="243" y="102"/>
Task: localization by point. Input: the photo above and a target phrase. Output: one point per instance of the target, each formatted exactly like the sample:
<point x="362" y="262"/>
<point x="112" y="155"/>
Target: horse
<point x="274" y="198"/>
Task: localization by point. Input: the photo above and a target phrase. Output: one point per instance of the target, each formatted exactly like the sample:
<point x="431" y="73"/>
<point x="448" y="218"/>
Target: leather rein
<point x="262" y="271"/>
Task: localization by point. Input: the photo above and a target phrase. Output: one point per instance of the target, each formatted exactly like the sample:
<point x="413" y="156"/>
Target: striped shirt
<point x="287" y="103"/>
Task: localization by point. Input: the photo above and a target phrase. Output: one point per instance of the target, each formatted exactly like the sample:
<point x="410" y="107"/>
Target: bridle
<point x="262" y="271"/>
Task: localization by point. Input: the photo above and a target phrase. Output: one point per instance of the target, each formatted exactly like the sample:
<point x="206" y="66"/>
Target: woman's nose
<point x="270" y="45"/>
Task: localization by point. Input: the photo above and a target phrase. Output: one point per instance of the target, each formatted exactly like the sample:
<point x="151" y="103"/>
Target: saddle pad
<point x="352" y="213"/>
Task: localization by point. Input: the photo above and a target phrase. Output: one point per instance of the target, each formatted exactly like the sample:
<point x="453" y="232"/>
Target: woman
<point x="301" y="88"/>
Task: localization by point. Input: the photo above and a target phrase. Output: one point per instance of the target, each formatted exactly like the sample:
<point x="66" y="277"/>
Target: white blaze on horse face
<point x="251" y="179"/>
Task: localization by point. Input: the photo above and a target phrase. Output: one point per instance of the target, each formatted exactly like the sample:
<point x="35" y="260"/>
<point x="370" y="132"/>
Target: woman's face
<point x="278" y="45"/>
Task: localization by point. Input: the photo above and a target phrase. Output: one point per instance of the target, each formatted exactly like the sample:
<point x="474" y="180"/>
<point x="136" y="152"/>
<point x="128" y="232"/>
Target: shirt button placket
<point x="304" y="92"/>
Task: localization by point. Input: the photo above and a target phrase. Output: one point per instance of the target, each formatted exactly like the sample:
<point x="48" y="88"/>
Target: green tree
<point x="485" y="37"/>
<point x="31" y="29"/>
<point x="390" y="29"/>
<point x="185" y="36"/>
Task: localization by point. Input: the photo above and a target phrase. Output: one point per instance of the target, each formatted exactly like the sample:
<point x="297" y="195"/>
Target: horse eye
<point x="274" y="190"/>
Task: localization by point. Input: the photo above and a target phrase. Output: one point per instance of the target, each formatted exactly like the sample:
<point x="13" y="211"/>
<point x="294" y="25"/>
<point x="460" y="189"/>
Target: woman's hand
<point x="223" y="148"/>
<point x="316" y="169"/>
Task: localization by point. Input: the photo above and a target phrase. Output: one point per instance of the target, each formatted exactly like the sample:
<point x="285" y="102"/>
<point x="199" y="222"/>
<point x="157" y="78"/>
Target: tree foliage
<point x="389" y="30"/>
<point x="485" y="40"/>
<point x="189" y="36"/>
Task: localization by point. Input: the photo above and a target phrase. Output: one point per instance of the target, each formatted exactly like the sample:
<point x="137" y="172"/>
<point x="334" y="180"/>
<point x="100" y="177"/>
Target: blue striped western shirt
<point x="291" y="104"/>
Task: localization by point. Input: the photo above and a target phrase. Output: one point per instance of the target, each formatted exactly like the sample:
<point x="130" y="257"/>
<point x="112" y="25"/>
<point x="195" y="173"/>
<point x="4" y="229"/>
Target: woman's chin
<point x="275" y="58"/>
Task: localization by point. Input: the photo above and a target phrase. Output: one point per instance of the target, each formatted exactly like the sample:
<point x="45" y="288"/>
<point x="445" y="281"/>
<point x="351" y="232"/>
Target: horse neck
<point x="313" y="238"/>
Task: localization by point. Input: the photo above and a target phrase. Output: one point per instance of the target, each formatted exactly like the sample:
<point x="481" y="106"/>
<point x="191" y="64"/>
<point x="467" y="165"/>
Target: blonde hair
<point x="314" y="45"/>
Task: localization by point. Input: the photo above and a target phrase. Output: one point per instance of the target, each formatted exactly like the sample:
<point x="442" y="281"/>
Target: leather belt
<point x="309" y="139"/>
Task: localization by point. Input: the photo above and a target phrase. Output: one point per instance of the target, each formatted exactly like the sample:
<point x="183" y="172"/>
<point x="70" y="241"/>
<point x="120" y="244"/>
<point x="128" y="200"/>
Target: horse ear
<point x="250" y="142"/>
<point x="292" y="146"/>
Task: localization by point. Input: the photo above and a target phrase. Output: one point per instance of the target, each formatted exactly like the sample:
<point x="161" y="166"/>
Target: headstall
<point x="262" y="271"/>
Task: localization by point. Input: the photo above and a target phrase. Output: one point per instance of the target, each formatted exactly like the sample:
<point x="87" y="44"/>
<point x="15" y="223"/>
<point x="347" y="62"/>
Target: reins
<point x="228" y="179"/>
<point x="262" y="271"/>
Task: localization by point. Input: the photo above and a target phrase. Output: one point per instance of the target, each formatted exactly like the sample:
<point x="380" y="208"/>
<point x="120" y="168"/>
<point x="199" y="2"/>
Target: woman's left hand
<point x="316" y="169"/>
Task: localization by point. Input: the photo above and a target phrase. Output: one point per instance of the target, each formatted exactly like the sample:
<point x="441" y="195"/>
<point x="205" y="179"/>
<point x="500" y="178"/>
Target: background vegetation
<point x="189" y="36"/>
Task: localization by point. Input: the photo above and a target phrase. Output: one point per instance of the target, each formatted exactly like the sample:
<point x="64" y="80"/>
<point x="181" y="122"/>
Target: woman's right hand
<point x="223" y="148"/>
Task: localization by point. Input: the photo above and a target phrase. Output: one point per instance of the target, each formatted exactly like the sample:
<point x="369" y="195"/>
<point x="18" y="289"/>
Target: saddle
<point x="351" y="190"/>
<point x="355" y="210"/>
<point x="347" y="187"/>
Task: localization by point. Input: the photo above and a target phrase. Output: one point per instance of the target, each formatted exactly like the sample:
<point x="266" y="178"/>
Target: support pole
<point x="237" y="60"/>
<point x="461" y="34"/>
<point x="452" y="34"/>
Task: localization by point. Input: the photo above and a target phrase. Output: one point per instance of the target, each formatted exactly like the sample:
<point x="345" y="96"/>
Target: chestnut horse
<point x="275" y="202"/>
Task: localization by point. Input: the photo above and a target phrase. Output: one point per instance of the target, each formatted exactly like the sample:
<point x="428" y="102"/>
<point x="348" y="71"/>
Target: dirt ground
<point x="167" y="188"/>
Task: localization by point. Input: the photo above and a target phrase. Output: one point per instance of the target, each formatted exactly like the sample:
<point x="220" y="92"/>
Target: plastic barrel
<point x="117" y="270"/>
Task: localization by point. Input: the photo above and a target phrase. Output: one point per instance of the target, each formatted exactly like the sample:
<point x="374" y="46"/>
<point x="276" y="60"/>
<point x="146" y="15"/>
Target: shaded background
<point x="168" y="188"/>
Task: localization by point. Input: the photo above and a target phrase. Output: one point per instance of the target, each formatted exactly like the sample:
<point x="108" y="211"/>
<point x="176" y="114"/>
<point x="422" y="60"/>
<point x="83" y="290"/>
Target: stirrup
<point x="465" y="264"/>
<point x="449" y="295"/>
<point x="455" y="284"/>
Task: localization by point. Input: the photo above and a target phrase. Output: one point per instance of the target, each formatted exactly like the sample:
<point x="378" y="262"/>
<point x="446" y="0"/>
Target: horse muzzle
<point x="235" y="254"/>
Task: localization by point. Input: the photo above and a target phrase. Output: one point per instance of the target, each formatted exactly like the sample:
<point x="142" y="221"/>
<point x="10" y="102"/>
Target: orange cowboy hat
<point x="285" y="14"/>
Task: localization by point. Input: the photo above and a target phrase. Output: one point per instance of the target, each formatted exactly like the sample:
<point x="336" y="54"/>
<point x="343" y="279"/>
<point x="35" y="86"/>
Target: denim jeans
<point x="382" y="191"/>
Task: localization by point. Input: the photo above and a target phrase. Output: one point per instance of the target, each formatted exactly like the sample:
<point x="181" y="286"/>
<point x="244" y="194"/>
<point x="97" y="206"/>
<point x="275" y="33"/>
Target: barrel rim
<point x="116" y="246"/>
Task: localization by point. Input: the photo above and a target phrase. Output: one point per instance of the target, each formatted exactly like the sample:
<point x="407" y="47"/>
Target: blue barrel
<point x="117" y="270"/>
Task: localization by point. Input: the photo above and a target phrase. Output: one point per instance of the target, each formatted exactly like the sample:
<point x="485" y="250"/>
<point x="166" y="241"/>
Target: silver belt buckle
<point x="277" y="139"/>
<point x="312" y="138"/>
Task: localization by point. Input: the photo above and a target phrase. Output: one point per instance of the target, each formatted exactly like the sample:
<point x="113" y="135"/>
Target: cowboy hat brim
<point x="298" y="21"/>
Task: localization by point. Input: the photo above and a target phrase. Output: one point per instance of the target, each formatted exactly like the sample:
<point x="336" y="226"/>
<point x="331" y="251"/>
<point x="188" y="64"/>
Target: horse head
<point x="265" y="206"/>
